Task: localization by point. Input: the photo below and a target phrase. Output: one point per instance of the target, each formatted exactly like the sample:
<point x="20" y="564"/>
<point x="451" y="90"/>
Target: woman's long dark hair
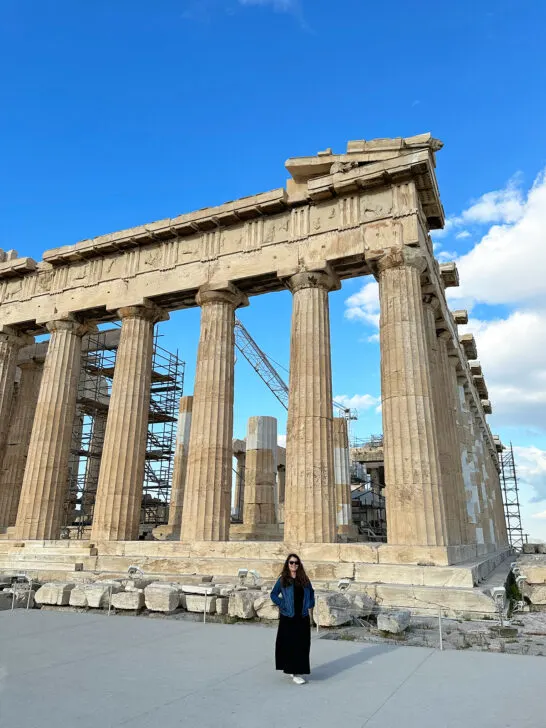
<point x="301" y="576"/>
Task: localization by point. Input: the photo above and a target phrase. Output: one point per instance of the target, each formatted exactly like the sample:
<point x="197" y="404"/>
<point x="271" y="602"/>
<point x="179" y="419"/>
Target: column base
<point x="167" y="533"/>
<point x="257" y="532"/>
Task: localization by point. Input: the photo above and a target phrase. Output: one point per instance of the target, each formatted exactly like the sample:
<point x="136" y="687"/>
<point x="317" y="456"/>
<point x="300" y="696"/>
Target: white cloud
<point x="500" y="206"/>
<point x="358" y="401"/>
<point x="281" y="440"/>
<point x="462" y="235"/>
<point x="446" y="255"/>
<point x="531" y="470"/>
<point x="364" y="305"/>
<point x="283" y="6"/>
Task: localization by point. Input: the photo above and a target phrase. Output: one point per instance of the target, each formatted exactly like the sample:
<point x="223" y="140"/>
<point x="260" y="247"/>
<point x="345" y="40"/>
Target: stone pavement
<point x="62" y="669"/>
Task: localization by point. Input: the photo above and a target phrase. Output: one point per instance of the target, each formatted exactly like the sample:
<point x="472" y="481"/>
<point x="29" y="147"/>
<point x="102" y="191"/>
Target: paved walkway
<point x="59" y="670"/>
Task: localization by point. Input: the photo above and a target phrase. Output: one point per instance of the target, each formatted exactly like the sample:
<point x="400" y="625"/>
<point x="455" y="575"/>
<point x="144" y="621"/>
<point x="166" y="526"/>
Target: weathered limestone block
<point x="222" y="605"/>
<point x="129" y="600"/>
<point x="55" y="592"/>
<point x="78" y="596"/>
<point x="332" y="610"/>
<point x="138" y="584"/>
<point x="224" y="590"/>
<point x="361" y="604"/>
<point x="394" y="622"/>
<point x="264" y="607"/>
<point x="161" y="597"/>
<point x="98" y="594"/>
<point x="536" y="593"/>
<point x="200" y="589"/>
<point x="241" y="604"/>
<point x="196" y="603"/>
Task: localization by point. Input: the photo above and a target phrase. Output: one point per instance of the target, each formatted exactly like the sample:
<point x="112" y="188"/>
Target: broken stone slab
<point x="332" y="609"/>
<point x="536" y="593"/>
<point x="136" y="584"/>
<point x="222" y="605"/>
<point x="264" y="607"/>
<point x="160" y="597"/>
<point x="78" y="597"/>
<point x="56" y="593"/>
<point x="241" y="604"/>
<point x="130" y="600"/>
<point x="196" y="603"/>
<point x="209" y="590"/>
<point x="394" y="622"/>
<point x="224" y="590"/>
<point x="98" y="593"/>
<point x="361" y="604"/>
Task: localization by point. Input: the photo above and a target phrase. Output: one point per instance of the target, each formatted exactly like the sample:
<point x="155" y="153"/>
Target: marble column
<point x="260" y="472"/>
<point x="180" y="465"/>
<point x="415" y="508"/>
<point x="467" y="508"/>
<point x="342" y="477"/>
<point x="207" y="499"/>
<point x="92" y="470"/>
<point x="309" y="512"/>
<point x="119" y="493"/>
<point x="239" y="498"/>
<point x="69" y="508"/>
<point x="17" y="442"/>
<point x="43" y="492"/>
<point x="10" y="343"/>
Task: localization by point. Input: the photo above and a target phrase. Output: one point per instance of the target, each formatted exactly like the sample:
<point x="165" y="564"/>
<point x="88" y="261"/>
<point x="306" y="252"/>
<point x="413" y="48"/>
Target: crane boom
<point x="263" y="367"/>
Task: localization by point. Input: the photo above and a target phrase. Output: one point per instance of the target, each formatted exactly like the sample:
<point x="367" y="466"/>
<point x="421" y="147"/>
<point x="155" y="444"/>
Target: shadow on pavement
<point x="330" y="669"/>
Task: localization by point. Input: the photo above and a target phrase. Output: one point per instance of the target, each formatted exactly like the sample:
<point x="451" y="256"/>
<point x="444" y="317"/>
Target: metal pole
<point x="29" y="592"/>
<point x="317" y="617"/>
<point x="12" y="598"/>
<point x="109" y="599"/>
<point x="440" y="630"/>
<point x="205" y="609"/>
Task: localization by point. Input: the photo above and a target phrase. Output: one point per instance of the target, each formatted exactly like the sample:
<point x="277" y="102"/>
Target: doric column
<point x="260" y="472"/>
<point x="309" y="513"/>
<point x="239" y="498"/>
<point x="119" y="493"/>
<point x="468" y="523"/>
<point x="69" y="508"/>
<point x="180" y="464"/>
<point x="415" y="509"/>
<point x="10" y="343"/>
<point x="482" y="479"/>
<point x="45" y="480"/>
<point x="207" y="500"/>
<point x="20" y="429"/>
<point x="342" y="477"/>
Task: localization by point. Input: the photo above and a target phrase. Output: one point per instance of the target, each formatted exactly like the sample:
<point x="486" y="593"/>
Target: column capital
<point x="15" y="338"/>
<point x="325" y="278"/>
<point x="147" y="311"/>
<point x="70" y="324"/>
<point x="224" y="293"/>
<point x="398" y="258"/>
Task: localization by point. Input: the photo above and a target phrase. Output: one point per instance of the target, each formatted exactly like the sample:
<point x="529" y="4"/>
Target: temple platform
<point x="417" y="578"/>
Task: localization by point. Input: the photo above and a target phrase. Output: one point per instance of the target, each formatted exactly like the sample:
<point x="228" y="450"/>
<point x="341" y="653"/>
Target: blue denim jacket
<point x="283" y="597"/>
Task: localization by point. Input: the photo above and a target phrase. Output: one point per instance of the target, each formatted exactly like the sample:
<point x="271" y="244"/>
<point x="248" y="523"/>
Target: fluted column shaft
<point x="239" y="498"/>
<point x="482" y="477"/>
<point x="20" y="430"/>
<point x="10" y="343"/>
<point x="342" y="477"/>
<point x="180" y="463"/>
<point x="415" y="508"/>
<point x="93" y="462"/>
<point x="260" y="472"/>
<point x="309" y="512"/>
<point x="207" y="499"/>
<point x="119" y="493"/>
<point x="44" y="488"/>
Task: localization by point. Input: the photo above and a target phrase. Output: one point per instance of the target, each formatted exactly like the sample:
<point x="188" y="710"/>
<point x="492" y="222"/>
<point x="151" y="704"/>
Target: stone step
<point x="36" y="566"/>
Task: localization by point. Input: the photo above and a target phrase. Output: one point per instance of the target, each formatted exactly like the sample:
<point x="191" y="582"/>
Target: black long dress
<point x="293" y="643"/>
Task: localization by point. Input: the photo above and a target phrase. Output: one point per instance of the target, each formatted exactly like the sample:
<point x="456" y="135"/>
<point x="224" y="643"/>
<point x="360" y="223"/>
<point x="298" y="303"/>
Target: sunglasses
<point x="294" y="563"/>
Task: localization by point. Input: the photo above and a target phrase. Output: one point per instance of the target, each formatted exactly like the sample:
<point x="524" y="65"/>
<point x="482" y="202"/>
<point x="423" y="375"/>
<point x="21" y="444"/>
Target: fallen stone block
<point x="201" y="589"/>
<point x="536" y="593"/>
<point x="332" y="610"/>
<point x="56" y="593"/>
<point x="222" y="605"/>
<point x="196" y="603"/>
<point x="224" y="590"/>
<point x="136" y="584"/>
<point x="530" y="548"/>
<point x="98" y="593"/>
<point x="264" y="607"/>
<point x="394" y="622"/>
<point x="361" y="604"/>
<point x="160" y="597"/>
<point x="78" y="597"/>
<point x="130" y="600"/>
<point x="241" y="604"/>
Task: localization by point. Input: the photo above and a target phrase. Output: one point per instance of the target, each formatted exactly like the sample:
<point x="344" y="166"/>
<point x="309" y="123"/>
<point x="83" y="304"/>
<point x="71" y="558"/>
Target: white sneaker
<point x="299" y="680"/>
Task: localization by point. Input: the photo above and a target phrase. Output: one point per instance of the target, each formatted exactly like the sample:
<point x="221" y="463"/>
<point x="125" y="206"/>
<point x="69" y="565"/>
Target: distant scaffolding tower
<point x="511" y="497"/>
<point x="93" y="401"/>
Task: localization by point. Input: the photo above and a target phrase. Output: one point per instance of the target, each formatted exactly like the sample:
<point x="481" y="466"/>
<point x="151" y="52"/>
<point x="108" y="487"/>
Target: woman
<point x="294" y="596"/>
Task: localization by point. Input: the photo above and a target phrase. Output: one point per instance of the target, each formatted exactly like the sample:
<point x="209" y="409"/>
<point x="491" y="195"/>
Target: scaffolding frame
<point x="92" y="404"/>
<point x="510" y="491"/>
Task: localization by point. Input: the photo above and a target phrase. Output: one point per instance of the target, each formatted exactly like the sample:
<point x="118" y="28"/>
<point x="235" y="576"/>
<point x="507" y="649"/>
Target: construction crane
<point x="263" y="367"/>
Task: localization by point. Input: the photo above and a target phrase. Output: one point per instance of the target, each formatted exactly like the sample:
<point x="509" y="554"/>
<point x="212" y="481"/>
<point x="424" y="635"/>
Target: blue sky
<point x="115" y="114"/>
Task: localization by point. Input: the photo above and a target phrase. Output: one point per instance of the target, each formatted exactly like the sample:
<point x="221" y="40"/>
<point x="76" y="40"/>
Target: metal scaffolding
<point x="93" y="400"/>
<point x="510" y="493"/>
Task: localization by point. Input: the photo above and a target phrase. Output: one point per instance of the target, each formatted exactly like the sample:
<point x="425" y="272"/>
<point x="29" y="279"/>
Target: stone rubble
<point x="394" y="622"/>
